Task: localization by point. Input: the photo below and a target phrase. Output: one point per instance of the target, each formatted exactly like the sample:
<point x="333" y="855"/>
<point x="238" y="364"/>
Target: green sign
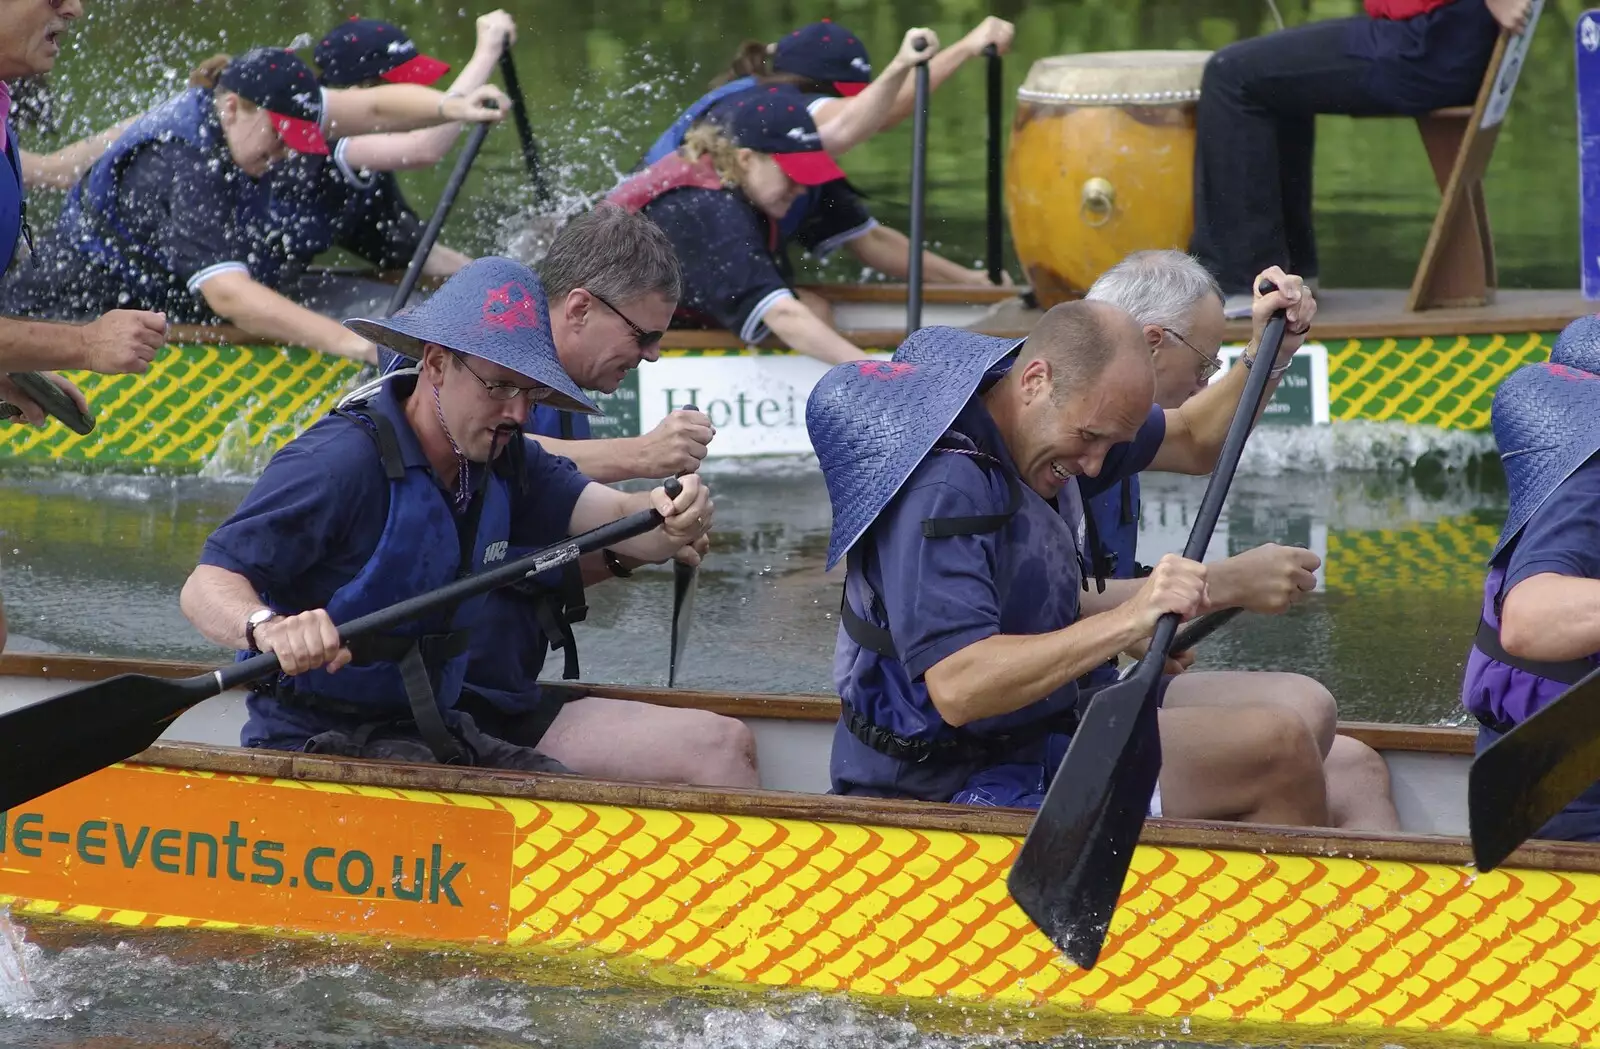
<point x="621" y="418"/>
<point x="1291" y="401"/>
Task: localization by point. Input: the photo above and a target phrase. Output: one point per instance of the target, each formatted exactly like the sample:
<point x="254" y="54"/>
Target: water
<point x="604" y="78"/>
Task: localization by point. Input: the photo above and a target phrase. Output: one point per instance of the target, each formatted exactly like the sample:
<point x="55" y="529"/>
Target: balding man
<point x="966" y="623"/>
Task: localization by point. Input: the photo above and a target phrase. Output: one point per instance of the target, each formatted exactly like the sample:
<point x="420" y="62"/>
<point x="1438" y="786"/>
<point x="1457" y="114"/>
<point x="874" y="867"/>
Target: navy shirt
<point x="1433" y="60"/>
<point x="317" y="512"/>
<point x="732" y="270"/>
<point x="321" y="202"/>
<point x="1563" y="535"/>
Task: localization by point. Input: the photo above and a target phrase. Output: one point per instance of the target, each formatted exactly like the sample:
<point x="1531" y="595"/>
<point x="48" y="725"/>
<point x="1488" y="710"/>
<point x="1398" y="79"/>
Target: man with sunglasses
<point x="419" y="480"/>
<point x="1179" y="308"/>
<point x="613" y="282"/>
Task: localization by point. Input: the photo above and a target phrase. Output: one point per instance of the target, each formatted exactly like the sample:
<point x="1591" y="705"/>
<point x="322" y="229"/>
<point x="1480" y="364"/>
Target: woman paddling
<point x="719" y="200"/>
<point x="176" y="215"/>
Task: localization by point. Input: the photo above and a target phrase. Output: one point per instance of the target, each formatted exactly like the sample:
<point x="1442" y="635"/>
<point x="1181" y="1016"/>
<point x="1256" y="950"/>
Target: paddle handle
<point x="993" y="231"/>
<point x="430" y="233"/>
<point x="52" y="399"/>
<point x="620" y="530"/>
<point x="519" y="113"/>
<point x="1205" y="520"/>
<point x="919" y="181"/>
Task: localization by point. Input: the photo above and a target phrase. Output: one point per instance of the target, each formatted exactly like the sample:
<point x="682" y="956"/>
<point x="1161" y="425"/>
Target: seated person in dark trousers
<point x="1256" y="124"/>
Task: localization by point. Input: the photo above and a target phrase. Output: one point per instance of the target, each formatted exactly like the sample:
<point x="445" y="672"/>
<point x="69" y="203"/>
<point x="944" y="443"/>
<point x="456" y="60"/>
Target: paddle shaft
<point x="236" y="674"/>
<point x="684" y="578"/>
<point x="1200" y="629"/>
<point x="52" y="399"/>
<point x="519" y="113"/>
<point x="919" y="180"/>
<point x="430" y="233"/>
<point x="993" y="242"/>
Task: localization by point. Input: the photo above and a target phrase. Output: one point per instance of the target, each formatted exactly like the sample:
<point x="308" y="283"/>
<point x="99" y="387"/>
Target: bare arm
<point x="1196" y="430"/>
<point x="990" y="31"/>
<point x="121" y="341"/>
<point x="804" y="332"/>
<point x="1552" y="617"/>
<point x="399" y="151"/>
<point x="218" y="602"/>
<point x="262" y="312"/>
<point x="443" y="262"/>
<point x="850" y="122"/>
<point x="889" y="252"/>
<point x="675" y="447"/>
<point x="59" y="170"/>
<point x="607" y="461"/>
<point x="1004" y="673"/>
<point x="402" y="107"/>
<point x="687" y="518"/>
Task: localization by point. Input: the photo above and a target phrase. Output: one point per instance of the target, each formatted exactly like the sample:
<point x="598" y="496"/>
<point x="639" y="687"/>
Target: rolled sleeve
<point x="836" y="218"/>
<point x="185" y="206"/>
<point x="1563" y="536"/>
<point x="542" y="508"/>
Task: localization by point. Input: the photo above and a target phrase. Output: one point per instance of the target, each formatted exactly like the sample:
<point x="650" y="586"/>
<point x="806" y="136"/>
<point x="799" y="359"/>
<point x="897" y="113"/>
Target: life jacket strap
<point x="964" y="748"/>
<point x="1567" y="672"/>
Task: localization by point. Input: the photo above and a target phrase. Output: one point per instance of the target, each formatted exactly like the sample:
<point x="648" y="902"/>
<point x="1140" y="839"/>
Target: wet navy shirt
<point x="317" y="512"/>
<point x="1563" y="535"/>
<point x="731" y="272"/>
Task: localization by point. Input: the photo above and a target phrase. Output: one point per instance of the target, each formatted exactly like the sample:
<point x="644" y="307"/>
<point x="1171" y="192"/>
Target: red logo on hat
<point x="510" y="307"/>
<point x="1563" y="371"/>
<point x="884" y="369"/>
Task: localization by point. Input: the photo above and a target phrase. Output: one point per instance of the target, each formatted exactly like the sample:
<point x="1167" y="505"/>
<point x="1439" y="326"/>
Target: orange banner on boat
<point x="315" y="857"/>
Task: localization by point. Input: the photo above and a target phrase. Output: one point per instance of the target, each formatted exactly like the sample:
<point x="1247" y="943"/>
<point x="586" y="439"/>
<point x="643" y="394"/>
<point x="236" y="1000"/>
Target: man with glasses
<point x="613" y="284"/>
<point x="395" y="494"/>
<point x="1178" y="306"/>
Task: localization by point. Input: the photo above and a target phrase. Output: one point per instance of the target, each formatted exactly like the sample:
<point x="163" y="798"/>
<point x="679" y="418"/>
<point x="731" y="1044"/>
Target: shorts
<point x="400" y="741"/>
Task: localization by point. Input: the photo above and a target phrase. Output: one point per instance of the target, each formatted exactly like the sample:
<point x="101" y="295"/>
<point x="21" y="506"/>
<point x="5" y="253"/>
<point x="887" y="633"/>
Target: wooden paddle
<point x="919" y="184"/>
<point x="430" y="232"/>
<point x="1070" y="870"/>
<point x="685" y="581"/>
<point x="51" y="398"/>
<point x="57" y="740"/>
<point x="519" y="113"/>
<point x="993" y="231"/>
<point x="1533" y="772"/>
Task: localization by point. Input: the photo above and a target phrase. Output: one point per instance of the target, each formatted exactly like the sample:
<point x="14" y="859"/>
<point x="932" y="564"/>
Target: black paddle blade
<point x="50" y="743"/>
<point x="685" y="580"/>
<point x="1069" y="874"/>
<point x="1533" y="772"/>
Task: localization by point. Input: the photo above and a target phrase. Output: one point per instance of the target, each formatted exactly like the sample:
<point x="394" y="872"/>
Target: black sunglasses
<point x="645" y="339"/>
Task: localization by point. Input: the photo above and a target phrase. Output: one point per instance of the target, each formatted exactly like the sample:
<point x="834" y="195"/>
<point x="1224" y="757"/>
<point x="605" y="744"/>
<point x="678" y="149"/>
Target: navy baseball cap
<point x="279" y="82"/>
<point x="826" y="52"/>
<point x="365" y="49"/>
<point x="774" y="120"/>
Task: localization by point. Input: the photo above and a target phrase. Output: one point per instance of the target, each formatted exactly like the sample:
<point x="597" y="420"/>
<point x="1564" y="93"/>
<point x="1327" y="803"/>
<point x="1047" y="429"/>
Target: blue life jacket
<point x="891" y="740"/>
<point x="415" y="672"/>
<point x="524" y="621"/>
<point x="672" y="138"/>
<point x="13" y="208"/>
<point x="1112" y="520"/>
<point x="91" y="219"/>
<point x="1501" y="691"/>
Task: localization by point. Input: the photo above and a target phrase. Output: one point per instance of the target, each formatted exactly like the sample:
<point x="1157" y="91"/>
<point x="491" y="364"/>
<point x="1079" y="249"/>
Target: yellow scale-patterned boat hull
<point x="876" y="899"/>
<point x="231" y="406"/>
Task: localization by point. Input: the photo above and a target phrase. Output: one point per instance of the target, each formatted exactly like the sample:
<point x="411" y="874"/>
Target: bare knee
<point x="1311" y="699"/>
<point x="1290" y="785"/>
<point x="1360" y="795"/>
<point x="722" y="754"/>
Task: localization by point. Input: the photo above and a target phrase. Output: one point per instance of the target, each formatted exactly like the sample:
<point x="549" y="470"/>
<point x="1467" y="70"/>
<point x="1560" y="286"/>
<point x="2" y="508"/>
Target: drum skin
<point x="1101" y="163"/>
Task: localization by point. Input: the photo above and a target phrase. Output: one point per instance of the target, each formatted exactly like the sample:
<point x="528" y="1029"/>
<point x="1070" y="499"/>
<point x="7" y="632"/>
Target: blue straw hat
<point x="1547" y="424"/>
<point x="1579" y="344"/>
<point x="493" y="308"/>
<point x="872" y="422"/>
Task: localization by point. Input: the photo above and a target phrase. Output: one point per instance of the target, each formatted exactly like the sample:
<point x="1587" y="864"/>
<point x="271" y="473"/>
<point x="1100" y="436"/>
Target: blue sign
<point x="1588" y="67"/>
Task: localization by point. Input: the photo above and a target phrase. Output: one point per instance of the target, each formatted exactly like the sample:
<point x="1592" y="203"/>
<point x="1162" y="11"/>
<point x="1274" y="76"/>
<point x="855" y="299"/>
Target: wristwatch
<point x="258" y="617"/>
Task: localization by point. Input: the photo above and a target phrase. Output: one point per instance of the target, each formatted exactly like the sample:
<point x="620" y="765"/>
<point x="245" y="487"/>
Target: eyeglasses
<point x="645" y="339"/>
<point x="1211" y="365"/>
<point x="504" y="391"/>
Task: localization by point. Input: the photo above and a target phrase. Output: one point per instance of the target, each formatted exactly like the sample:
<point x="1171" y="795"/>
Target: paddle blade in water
<point x="1533" y="772"/>
<point x="1069" y="874"/>
<point x="685" y="580"/>
<point x="50" y="743"/>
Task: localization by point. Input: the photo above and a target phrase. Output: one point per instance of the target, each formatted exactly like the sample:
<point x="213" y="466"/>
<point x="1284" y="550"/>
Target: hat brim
<point x="809" y="169"/>
<point x="302" y="136"/>
<point x="420" y="69"/>
<point x="849" y="88"/>
<point x="564" y="393"/>
<point x="1544" y="436"/>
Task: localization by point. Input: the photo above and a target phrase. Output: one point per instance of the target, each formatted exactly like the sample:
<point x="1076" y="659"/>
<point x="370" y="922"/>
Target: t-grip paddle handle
<point x="1250" y="401"/>
<point x="540" y="561"/>
<point x="52" y="399"/>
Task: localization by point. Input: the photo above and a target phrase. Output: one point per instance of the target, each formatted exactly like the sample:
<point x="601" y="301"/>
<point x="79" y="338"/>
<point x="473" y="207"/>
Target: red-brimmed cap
<point x="422" y="69"/>
<point x="302" y="136"/>
<point x="847" y="88"/>
<point x="809" y="169"/>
